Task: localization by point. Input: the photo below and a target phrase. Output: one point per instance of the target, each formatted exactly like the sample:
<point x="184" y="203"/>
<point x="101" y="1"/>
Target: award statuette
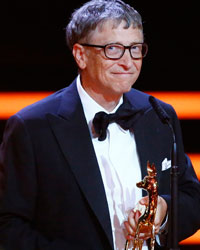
<point x="146" y="221"/>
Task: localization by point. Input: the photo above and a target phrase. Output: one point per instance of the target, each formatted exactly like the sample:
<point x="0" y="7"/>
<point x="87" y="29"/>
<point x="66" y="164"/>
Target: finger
<point x="129" y="229"/>
<point x="146" y="238"/>
<point x="161" y="212"/>
<point x="131" y="224"/>
<point x="130" y="237"/>
<point x="144" y="201"/>
<point x="137" y="216"/>
<point x="157" y="229"/>
<point x="132" y="220"/>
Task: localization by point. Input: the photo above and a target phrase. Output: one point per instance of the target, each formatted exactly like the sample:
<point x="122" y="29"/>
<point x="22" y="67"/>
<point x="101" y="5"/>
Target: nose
<point x="126" y="60"/>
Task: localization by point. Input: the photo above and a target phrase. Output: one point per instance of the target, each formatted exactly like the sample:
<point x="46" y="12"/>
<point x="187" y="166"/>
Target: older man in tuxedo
<point x="69" y="183"/>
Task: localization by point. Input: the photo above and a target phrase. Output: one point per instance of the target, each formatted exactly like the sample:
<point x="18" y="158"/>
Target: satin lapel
<point x="72" y="133"/>
<point x="152" y="137"/>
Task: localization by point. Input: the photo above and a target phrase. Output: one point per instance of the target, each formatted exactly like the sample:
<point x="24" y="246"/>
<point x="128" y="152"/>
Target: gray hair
<point x="94" y="13"/>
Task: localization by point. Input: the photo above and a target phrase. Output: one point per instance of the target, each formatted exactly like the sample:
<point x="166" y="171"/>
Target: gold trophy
<point x="146" y="221"/>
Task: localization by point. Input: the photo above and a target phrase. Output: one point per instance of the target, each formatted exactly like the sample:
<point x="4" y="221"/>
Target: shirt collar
<point x="90" y="106"/>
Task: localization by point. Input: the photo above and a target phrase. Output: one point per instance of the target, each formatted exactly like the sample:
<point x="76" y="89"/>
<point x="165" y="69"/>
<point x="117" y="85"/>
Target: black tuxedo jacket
<point x="53" y="196"/>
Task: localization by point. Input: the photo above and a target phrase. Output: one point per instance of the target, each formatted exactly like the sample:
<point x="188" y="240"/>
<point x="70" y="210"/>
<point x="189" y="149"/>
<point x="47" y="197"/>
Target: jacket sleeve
<point x="18" y="194"/>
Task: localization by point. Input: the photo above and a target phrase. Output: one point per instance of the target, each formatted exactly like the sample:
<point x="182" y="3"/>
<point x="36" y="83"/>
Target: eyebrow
<point x="133" y="42"/>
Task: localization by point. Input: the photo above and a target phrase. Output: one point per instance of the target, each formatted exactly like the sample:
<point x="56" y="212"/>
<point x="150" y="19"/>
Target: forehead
<point x="109" y="32"/>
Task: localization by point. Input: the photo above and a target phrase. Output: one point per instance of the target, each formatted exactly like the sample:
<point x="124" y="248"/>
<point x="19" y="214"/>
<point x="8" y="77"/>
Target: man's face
<point x="107" y="77"/>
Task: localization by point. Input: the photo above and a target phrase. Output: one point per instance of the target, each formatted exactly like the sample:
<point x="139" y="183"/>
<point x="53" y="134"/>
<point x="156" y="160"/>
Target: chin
<point x="122" y="91"/>
<point x="126" y="88"/>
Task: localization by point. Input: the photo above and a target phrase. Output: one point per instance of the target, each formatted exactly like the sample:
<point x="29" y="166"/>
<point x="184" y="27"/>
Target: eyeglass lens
<point x="116" y="51"/>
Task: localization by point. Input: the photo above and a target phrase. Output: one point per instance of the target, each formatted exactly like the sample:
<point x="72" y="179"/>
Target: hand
<point x="131" y="223"/>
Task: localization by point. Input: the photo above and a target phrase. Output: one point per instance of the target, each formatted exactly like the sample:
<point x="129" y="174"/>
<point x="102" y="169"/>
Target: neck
<point x="108" y="104"/>
<point x="151" y="208"/>
<point x="107" y="100"/>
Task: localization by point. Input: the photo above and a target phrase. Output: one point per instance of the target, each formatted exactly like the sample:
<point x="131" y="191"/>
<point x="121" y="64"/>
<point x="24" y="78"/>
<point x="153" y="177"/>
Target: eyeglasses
<point x="115" y="51"/>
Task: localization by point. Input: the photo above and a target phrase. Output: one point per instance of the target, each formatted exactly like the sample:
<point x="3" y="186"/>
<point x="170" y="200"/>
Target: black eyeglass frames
<point x="116" y="51"/>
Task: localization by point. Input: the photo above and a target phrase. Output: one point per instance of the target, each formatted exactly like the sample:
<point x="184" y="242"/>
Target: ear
<point x="79" y="55"/>
<point x="151" y="169"/>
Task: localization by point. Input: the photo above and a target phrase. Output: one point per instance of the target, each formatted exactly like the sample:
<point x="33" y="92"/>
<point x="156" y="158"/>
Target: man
<point x="68" y="185"/>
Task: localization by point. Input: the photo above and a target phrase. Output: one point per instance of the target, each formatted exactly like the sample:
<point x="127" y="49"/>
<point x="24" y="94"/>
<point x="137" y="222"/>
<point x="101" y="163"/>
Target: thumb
<point x="144" y="201"/>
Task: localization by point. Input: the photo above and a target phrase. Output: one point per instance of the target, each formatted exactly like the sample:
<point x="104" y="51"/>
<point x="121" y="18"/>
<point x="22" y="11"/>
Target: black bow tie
<point x="125" y="116"/>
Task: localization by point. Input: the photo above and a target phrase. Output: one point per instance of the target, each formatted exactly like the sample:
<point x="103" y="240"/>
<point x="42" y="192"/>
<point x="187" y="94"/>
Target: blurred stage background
<point x="34" y="60"/>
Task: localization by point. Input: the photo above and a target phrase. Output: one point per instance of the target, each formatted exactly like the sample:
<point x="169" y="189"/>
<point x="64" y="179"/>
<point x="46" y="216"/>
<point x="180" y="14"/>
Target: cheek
<point x="108" y="67"/>
<point x="105" y="68"/>
<point x="139" y="65"/>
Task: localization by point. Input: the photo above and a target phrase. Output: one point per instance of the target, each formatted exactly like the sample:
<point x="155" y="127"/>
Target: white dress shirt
<point x="119" y="166"/>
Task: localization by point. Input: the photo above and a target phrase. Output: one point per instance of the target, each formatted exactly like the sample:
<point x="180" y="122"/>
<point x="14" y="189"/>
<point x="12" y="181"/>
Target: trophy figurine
<point x="146" y="220"/>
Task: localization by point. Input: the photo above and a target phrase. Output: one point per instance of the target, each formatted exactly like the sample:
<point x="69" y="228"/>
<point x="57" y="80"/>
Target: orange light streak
<point x="186" y="104"/>
<point x="12" y="102"/>
<point x="192" y="240"/>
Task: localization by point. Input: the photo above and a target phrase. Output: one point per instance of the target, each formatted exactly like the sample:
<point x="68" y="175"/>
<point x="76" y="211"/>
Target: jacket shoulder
<point x="49" y="104"/>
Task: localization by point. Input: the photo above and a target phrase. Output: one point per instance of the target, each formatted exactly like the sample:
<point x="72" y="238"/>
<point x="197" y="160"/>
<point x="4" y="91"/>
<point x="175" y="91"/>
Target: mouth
<point x="123" y="73"/>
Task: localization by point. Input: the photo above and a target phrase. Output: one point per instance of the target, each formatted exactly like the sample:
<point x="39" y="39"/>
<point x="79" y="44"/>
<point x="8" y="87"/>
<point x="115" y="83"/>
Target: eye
<point x="137" y="48"/>
<point x="113" y="48"/>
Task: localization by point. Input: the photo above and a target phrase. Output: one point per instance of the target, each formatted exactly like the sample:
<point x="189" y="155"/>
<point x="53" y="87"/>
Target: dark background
<point x="34" y="55"/>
